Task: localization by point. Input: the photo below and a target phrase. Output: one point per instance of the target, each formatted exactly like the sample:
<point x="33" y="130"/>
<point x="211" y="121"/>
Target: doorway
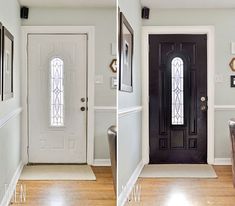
<point x="178" y="98"/>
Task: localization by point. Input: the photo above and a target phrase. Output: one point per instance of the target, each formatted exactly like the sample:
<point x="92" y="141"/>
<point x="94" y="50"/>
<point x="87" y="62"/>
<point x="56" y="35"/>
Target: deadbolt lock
<point x="83" y="99"/>
<point x="83" y="109"/>
<point x="203" y="99"/>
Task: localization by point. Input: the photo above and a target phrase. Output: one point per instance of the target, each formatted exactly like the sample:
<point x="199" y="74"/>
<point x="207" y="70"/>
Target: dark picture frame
<point x="7" y="64"/>
<point x="1" y="71"/>
<point x="126" y="45"/>
<point x="232" y="81"/>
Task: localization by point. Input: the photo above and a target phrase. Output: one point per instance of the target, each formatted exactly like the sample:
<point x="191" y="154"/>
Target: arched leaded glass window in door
<point x="57" y="92"/>
<point x="177" y="91"/>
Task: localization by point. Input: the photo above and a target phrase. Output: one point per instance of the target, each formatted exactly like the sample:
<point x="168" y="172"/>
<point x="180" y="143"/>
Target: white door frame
<point x="209" y="31"/>
<point x="90" y="31"/>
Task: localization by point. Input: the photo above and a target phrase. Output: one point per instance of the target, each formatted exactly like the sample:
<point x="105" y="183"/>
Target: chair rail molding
<point x="129" y="110"/>
<point x="224" y="107"/>
<point x="4" y="120"/>
<point x="105" y="108"/>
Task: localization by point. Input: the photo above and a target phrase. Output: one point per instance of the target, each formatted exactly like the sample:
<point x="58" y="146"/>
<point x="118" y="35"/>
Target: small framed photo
<point x="1" y="83"/>
<point x="7" y="64"/>
<point x="126" y="39"/>
<point x="232" y="81"/>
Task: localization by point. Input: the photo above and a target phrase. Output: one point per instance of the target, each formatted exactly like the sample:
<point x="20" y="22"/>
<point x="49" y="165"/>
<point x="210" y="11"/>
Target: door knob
<point x="203" y="99"/>
<point x="83" y="99"/>
<point x="83" y="109"/>
<point x="203" y="108"/>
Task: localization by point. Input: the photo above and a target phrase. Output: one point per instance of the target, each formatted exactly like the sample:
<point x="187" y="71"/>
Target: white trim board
<point x="130" y="184"/>
<point x="209" y="31"/>
<point x="224" y="107"/>
<point x="223" y="161"/>
<point x="11" y="187"/>
<point x="90" y="31"/>
<point x="4" y="120"/>
<point x="129" y="111"/>
<point x="102" y="162"/>
<point x="105" y="108"/>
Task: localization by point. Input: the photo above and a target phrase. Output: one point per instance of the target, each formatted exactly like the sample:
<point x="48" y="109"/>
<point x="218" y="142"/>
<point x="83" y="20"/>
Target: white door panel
<point x="64" y="141"/>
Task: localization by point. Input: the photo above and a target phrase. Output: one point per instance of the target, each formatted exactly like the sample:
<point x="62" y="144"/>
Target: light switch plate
<point x="113" y="49"/>
<point x="113" y="82"/>
<point x="233" y="47"/>
<point x="99" y="79"/>
<point x="219" y="78"/>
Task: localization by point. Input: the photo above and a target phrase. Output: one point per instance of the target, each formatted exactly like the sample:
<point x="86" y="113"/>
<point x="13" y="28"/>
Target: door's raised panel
<point x="193" y="103"/>
<point x="177" y="138"/>
<point x="163" y="143"/>
<point x="162" y="103"/>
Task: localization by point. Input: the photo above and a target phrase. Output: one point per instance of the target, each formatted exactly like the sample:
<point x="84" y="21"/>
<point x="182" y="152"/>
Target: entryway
<point x="178" y="98"/>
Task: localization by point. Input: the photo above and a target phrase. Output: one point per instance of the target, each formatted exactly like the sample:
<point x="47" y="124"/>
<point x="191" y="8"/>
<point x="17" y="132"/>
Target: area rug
<point x="57" y="172"/>
<point x="178" y="171"/>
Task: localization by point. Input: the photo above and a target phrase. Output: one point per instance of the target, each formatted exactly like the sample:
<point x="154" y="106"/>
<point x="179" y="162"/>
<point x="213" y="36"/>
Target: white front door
<point x="57" y="98"/>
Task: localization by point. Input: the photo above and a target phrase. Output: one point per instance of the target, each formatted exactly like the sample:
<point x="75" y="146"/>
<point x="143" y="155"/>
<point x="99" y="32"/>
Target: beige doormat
<point x="57" y="172"/>
<point x="178" y="171"/>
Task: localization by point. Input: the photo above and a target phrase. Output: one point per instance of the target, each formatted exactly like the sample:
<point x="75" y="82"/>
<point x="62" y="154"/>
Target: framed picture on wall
<point x="7" y="64"/>
<point x="126" y="39"/>
<point x="1" y="83"/>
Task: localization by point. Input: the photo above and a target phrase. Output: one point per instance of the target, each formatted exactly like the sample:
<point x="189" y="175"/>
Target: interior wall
<point x="222" y="20"/>
<point x="10" y="131"/>
<point x="105" y="34"/>
<point x="129" y="136"/>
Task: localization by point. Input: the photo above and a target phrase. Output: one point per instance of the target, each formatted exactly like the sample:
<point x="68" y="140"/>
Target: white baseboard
<point x="130" y="184"/>
<point x="11" y="187"/>
<point x="222" y="161"/>
<point x="102" y="162"/>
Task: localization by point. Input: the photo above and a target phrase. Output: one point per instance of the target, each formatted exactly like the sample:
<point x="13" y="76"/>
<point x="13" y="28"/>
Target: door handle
<point x="203" y="108"/>
<point x="83" y="109"/>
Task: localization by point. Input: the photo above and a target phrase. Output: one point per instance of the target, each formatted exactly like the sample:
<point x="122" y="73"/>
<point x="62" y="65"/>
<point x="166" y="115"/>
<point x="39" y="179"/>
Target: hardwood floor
<point x="189" y="192"/>
<point x="72" y="193"/>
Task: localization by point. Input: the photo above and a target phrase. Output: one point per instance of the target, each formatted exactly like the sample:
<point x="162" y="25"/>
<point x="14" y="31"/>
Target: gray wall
<point x="105" y="33"/>
<point x="10" y="133"/>
<point x="223" y="20"/>
<point x="129" y="137"/>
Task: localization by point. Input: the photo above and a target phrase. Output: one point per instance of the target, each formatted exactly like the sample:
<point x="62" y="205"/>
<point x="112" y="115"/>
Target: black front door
<point x="178" y="98"/>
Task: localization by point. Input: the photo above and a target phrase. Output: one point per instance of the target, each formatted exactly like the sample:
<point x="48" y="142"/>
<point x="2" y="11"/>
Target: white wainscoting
<point x="11" y="187"/>
<point x="223" y="161"/>
<point x="129" y="111"/>
<point x="4" y="120"/>
<point x="130" y="184"/>
<point x="102" y="162"/>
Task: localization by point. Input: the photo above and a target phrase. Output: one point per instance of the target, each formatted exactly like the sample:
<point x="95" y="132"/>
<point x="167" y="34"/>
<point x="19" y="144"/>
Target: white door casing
<point x="209" y="31"/>
<point x="90" y="32"/>
<point x="63" y="142"/>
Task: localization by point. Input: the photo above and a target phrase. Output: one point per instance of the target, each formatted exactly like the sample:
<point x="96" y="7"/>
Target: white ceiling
<point x="68" y="3"/>
<point x="178" y="4"/>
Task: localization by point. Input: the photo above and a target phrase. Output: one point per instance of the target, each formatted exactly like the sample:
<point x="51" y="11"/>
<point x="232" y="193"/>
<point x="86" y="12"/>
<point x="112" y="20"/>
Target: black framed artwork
<point x="126" y="39"/>
<point x="1" y="83"/>
<point x="7" y="64"/>
<point x="232" y="80"/>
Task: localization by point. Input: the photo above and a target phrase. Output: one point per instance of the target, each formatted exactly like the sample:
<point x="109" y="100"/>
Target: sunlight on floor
<point x="178" y="199"/>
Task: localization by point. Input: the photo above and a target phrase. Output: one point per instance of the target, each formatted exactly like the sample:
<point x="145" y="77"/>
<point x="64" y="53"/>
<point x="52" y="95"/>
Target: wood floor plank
<point x="72" y="193"/>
